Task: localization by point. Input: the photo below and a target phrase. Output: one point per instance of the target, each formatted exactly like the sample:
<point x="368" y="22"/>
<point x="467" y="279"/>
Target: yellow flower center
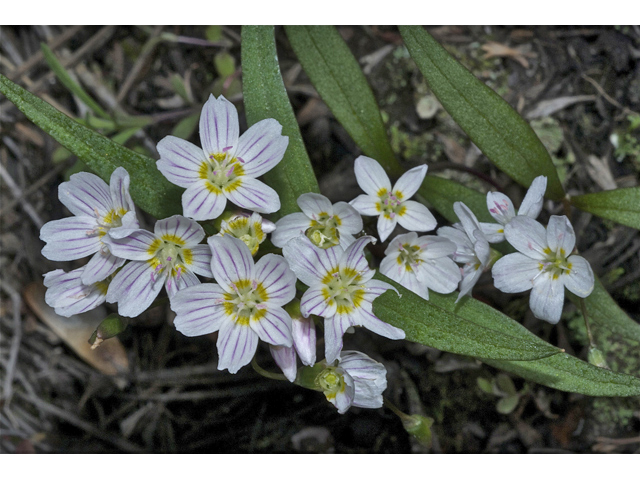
<point x="222" y="171"/>
<point x="409" y="256"/>
<point x="555" y="263"/>
<point x="247" y="303"/>
<point x="390" y="204"/>
<point x="323" y="231"/>
<point x="169" y="252"/>
<point x="343" y="287"/>
<point x="331" y="381"/>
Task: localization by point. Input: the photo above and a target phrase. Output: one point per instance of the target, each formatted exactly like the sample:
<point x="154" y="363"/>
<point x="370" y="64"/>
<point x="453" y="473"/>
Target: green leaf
<point x="621" y="205"/>
<point x="149" y="189"/>
<point x="496" y="128"/>
<point x="507" y="405"/>
<point x="469" y="328"/>
<point x="571" y="374"/>
<point x="68" y="82"/>
<point x="266" y="97"/>
<point x="335" y="73"/>
<point x="442" y="193"/>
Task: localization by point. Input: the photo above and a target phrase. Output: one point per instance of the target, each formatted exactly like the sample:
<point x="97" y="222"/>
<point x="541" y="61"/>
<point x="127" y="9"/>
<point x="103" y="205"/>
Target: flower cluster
<point x="253" y="295"/>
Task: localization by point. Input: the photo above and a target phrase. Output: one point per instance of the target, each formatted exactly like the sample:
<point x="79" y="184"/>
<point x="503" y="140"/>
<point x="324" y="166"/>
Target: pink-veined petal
<point x="349" y="218"/>
<point x="129" y="225"/>
<point x="315" y="301"/>
<point x="375" y="288"/>
<point x="410" y="181"/>
<point x="197" y="312"/>
<point x="181" y="227"/>
<point x="313" y="204"/>
<point x="560" y="235"/>
<point x="370" y="176"/>
<point x="174" y="283"/>
<point x="231" y="261"/>
<point x="253" y="195"/>
<point x="441" y="275"/>
<point x="416" y="217"/>
<point x="532" y="204"/>
<point x="353" y="257"/>
<point x="500" y="207"/>
<point x="237" y="344"/>
<point x="70" y="238"/>
<point x="119" y="187"/>
<point x="580" y="280"/>
<point x="515" y="272"/>
<point x="367" y="205"/>
<point x="136" y="246"/>
<point x="278" y="280"/>
<point x="261" y="147"/>
<point x="288" y="227"/>
<point x="547" y="297"/>
<point x="310" y="263"/>
<point x="303" y="331"/>
<point x="286" y="359"/>
<point x="133" y="288"/>
<point x="201" y="261"/>
<point x="68" y="295"/>
<point x="219" y="128"/>
<point x="368" y="320"/>
<point x="274" y="327"/>
<point x="470" y="276"/>
<point x="494" y="232"/>
<point x="100" y="267"/>
<point x="203" y="201"/>
<point x="386" y="226"/>
<point x="527" y="236"/>
<point x="180" y="161"/>
<point x="86" y="194"/>
<point x="334" y="328"/>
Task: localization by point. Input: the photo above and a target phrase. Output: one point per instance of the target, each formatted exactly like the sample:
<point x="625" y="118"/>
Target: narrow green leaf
<point x="266" y="97"/>
<point x="149" y="189"/>
<point x="335" y="73"/>
<point x="496" y="128"/>
<point x="443" y="193"/>
<point x="621" y="205"/>
<point x="68" y="82"/>
<point x="571" y="374"/>
<point x="470" y="329"/>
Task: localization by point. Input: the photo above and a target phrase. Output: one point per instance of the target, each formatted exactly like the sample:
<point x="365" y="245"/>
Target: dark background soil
<point x="578" y="86"/>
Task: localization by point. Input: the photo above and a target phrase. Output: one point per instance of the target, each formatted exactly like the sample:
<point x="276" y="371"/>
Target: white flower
<point x="501" y="208"/>
<point x="69" y="296"/>
<point x="325" y="224"/>
<point x="170" y="256"/>
<point x="304" y="344"/>
<point x="355" y="380"/>
<point x="226" y="167"/>
<point x="341" y="289"/>
<point x="421" y="263"/>
<point x="391" y="205"/>
<point x="100" y="211"/>
<point x="251" y="230"/>
<point x="472" y="247"/>
<point x="245" y="305"/>
<point x="544" y="265"/>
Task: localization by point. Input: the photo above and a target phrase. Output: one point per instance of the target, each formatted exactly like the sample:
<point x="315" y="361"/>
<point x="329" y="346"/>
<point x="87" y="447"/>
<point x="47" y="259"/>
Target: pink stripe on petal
<point x="310" y="263"/>
<point x="84" y="193"/>
<point x="304" y="339"/>
<point x="201" y="204"/>
<point x="254" y="195"/>
<point x="184" y="228"/>
<point x="180" y="161"/>
<point x="278" y="280"/>
<point x="133" y="247"/>
<point x="219" y="126"/>
<point x="237" y="345"/>
<point x="285" y="358"/>
<point x="119" y="189"/>
<point x="231" y="260"/>
<point x="262" y="147"/>
<point x="100" y="267"/>
<point x="334" y="328"/>
<point x="133" y="289"/>
<point x="274" y="327"/>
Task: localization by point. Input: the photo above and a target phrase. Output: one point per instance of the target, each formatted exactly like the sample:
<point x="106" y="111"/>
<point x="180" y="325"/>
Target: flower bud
<point x="596" y="357"/>
<point x="108" y="328"/>
<point x="419" y="427"/>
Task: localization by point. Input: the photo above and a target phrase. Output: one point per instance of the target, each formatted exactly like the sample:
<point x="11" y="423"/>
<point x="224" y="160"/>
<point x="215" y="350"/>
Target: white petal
<point x="231" y="261"/>
<point x="119" y="187"/>
<point x="310" y="263"/>
<point x="261" y="147"/>
<point x="527" y="236"/>
<point x="343" y="400"/>
<point x="86" y="194"/>
<point x="237" y="345"/>
<point x="547" y="298"/>
<point x="180" y="161"/>
<point x="315" y="301"/>
<point x="136" y="246"/>
<point x="253" y="194"/>
<point x="70" y="238"/>
<point x="515" y="272"/>
<point x="181" y="227"/>
<point x="433" y="247"/>
<point x="470" y="276"/>
<point x="133" y="288"/>
<point x="312" y="204"/>
<point x="386" y="226"/>
<point x="366" y="205"/>
<point x="100" y="267"/>
<point x="201" y="261"/>
<point x="533" y="200"/>
<point x="174" y="283"/>
<point x="129" y="225"/>
<point x="197" y="311"/>
<point x="348" y="218"/>
<point x="278" y="280"/>
<point x="334" y="328"/>
<point x="375" y="288"/>
<point x="288" y="227"/>
<point x="274" y="327"/>
<point x="203" y="201"/>
<point x="353" y="257"/>
<point x="500" y="207"/>
<point x="410" y="181"/>
<point x="560" y="235"/>
<point x="285" y="358"/>
<point x="580" y="280"/>
<point x="464" y="246"/>
<point x="441" y="275"/>
<point x="371" y="176"/>
<point x="494" y="232"/>
<point x="369" y="321"/>
<point x="415" y="216"/>
<point x="467" y="218"/>
<point x="304" y="339"/>
<point x="219" y="127"/>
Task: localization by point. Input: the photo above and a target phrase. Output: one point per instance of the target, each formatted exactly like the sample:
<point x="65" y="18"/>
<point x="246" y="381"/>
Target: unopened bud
<point x="596" y="357"/>
<point x="108" y="328"/>
<point x="419" y="427"/>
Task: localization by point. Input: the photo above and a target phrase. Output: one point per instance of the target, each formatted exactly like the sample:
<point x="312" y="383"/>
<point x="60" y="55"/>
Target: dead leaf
<point x="547" y="108"/>
<point x="599" y="171"/>
<point x="495" y="49"/>
<point x="110" y="358"/>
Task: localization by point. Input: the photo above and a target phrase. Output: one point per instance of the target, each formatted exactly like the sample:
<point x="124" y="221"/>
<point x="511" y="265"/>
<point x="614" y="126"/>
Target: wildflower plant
<point x="234" y="281"/>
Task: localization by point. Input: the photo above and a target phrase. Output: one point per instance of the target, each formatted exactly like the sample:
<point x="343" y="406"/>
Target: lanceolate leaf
<point x="621" y="205"/>
<point x="443" y="193"/>
<point x="265" y="97"/>
<point x="571" y="374"/>
<point x="149" y="189"/>
<point x="340" y="82"/>
<point x="475" y="329"/>
<point x="502" y="135"/>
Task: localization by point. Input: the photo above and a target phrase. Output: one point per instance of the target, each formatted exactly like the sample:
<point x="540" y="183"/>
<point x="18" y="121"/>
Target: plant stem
<point x="264" y="373"/>
<point x="583" y="307"/>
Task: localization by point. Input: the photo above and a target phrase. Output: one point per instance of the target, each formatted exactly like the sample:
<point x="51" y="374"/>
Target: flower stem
<point x="264" y="373"/>
<point x="401" y="415"/>
<point x="583" y="307"/>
